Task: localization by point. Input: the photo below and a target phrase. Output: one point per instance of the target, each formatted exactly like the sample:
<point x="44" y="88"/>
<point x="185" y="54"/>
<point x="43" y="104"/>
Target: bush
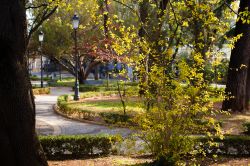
<point x="113" y="87"/>
<point x="229" y="146"/>
<point x="35" y="78"/>
<point x="88" y="88"/>
<point x="114" y="118"/>
<point x="40" y="91"/>
<point x="247" y="128"/>
<point x="62" y="147"/>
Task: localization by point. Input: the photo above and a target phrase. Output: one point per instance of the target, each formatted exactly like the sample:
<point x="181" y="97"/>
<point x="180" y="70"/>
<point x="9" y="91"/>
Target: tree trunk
<point x="143" y="11"/>
<point x="19" y="145"/>
<point x="82" y="75"/>
<point x="248" y="88"/>
<point x="236" y="86"/>
<point x="96" y="74"/>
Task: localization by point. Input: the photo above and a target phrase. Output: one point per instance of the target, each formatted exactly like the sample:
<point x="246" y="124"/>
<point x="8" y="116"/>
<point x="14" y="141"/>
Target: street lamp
<point x="75" y="23"/>
<point x="41" y="37"/>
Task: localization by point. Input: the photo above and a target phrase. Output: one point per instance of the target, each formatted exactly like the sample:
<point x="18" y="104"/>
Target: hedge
<point x="77" y="146"/>
<point x="40" y="91"/>
<point x="246" y="126"/>
<point x="36" y="78"/>
<point x="229" y="146"/>
<point x="113" y="87"/>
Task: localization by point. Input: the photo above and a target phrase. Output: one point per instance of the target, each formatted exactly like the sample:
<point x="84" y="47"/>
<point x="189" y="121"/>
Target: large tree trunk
<point x="19" y="145"/>
<point x="238" y="67"/>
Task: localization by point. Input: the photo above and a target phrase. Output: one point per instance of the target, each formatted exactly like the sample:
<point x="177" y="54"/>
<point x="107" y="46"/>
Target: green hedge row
<point x="94" y="88"/>
<point x="77" y="146"/>
<point x="246" y="126"/>
<point x="41" y="91"/>
<point x="229" y="146"/>
<point x="131" y="86"/>
<point x="35" y="78"/>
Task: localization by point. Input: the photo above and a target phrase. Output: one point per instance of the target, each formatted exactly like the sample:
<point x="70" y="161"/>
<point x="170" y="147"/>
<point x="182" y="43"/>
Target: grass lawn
<point x="67" y="82"/>
<point x="111" y="104"/>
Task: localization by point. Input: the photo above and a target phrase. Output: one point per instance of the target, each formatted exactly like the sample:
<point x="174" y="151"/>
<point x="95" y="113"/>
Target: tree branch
<point x="44" y="17"/>
<point x="36" y="7"/>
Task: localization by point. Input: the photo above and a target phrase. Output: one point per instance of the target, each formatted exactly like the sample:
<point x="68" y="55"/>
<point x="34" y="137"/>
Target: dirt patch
<point x="231" y="162"/>
<point x="103" y="161"/>
<point x="232" y="123"/>
<point x="126" y="161"/>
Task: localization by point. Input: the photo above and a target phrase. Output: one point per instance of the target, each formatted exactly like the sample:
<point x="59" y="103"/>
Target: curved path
<point x="50" y="123"/>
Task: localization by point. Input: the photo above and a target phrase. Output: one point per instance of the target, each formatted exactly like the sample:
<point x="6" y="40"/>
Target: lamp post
<point x="41" y="37"/>
<point x="75" y="22"/>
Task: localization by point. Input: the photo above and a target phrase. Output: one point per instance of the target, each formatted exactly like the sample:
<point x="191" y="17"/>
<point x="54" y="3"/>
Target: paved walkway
<point x="49" y="123"/>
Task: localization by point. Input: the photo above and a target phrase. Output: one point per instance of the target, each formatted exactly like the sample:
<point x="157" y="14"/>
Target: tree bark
<point x="238" y="70"/>
<point x="84" y="72"/>
<point x="96" y="74"/>
<point x="19" y="145"/>
<point x="248" y="88"/>
<point x="143" y="12"/>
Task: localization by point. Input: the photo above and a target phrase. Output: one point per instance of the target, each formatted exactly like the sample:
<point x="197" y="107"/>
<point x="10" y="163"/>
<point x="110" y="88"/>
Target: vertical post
<point x="40" y="37"/>
<point x="60" y="72"/>
<point x="76" y="97"/>
<point x="41" y="66"/>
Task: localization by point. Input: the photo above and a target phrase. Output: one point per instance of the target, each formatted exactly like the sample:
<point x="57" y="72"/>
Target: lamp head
<point x="75" y="21"/>
<point x="41" y="36"/>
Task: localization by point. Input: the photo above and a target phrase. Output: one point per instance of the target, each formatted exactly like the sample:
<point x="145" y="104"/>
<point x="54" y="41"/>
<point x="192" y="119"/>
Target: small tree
<point x="175" y="92"/>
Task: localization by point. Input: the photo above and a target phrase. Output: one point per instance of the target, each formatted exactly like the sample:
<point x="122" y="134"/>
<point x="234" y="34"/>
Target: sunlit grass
<point x="112" y="105"/>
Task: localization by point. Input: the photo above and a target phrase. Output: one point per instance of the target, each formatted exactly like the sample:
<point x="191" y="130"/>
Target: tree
<point x="175" y="101"/>
<point x="93" y="45"/>
<point x="39" y="11"/>
<point x="237" y="87"/>
<point x="19" y="145"/>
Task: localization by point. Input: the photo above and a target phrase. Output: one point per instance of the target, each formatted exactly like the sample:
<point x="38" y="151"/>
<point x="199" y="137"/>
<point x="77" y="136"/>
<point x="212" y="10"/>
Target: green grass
<point x="35" y="78"/>
<point x="113" y="105"/>
<point x="67" y="82"/>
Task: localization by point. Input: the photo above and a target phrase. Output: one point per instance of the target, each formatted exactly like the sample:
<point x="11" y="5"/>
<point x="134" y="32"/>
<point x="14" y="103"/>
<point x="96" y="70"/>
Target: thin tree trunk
<point x="19" y="145"/>
<point x="248" y="88"/>
<point x="238" y="67"/>
<point x="82" y="75"/>
<point x="143" y="11"/>
<point x="96" y="74"/>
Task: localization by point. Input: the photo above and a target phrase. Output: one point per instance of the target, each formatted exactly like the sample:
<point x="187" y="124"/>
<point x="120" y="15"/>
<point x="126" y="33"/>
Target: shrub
<point x="229" y="146"/>
<point x="101" y="88"/>
<point x="247" y="128"/>
<point x="35" y="78"/>
<point x="114" y="118"/>
<point x="66" y="82"/>
<point x="40" y="91"/>
<point x="61" y="147"/>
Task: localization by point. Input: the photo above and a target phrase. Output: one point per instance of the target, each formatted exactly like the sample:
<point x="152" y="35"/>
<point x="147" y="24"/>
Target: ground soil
<point x="232" y="123"/>
<point x="103" y="161"/>
<point x="130" y="161"/>
<point x="231" y="162"/>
